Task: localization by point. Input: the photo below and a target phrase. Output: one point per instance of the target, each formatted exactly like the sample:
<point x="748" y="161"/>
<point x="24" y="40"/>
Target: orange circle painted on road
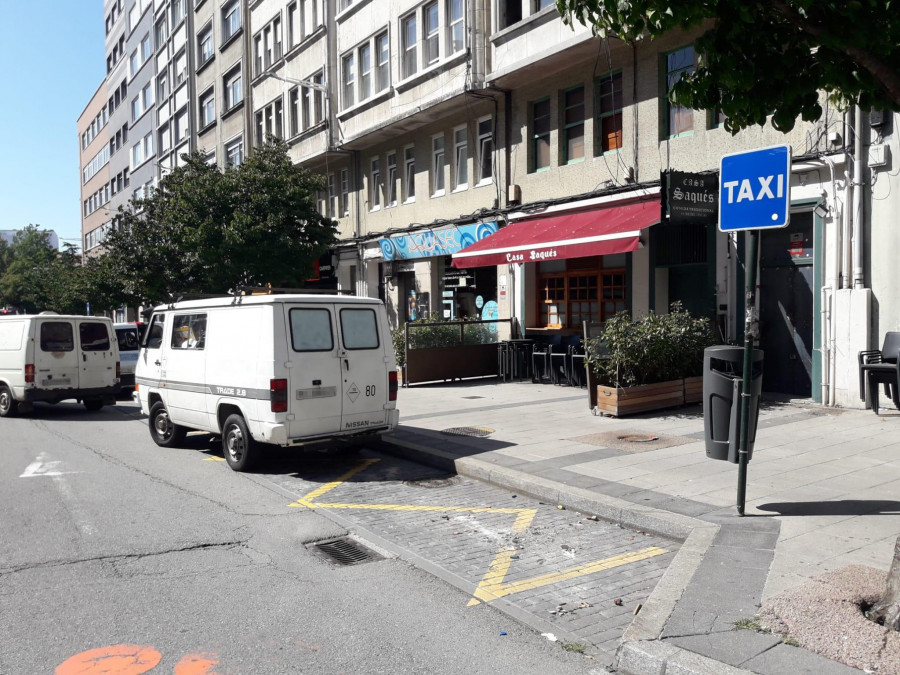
<point x="113" y="660"/>
<point x="197" y="664"/>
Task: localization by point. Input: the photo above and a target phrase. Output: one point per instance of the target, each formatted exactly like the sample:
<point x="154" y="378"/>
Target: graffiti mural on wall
<point x="431" y="243"/>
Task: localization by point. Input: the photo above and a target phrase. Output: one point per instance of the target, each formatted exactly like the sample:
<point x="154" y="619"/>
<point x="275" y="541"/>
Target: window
<point x="678" y="118"/>
<point x="267" y="47"/>
<point x="178" y="9"/>
<point x="540" y="134"/>
<point x="312" y="104"/>
<point x="571" y="292"/>
<point x="349" y="69"/>
<point x="437" y="166"/>
<point x="294" y="119"/>
<point x="573" y="125"/>
<point x="510" y="13"/>
<point x="485" y="150"/>
<point x="142" y="151"/>
<point x="609" y="113"/>
<point x="345" y="193"/>
<point x="134" y="63"/>
<point x="310" y="12"/>
<point x="269" y="121"/>
<point x="311" y="330"/>
<point x="147" y="96"/>
<point x="231" y="20"/>
<point x="94" y="336"/>
<point x="383" y="68"/>
<point x="359" y="330"/>
<point x="410" y="63"/>
<point x="57" y="336"/>
<point x="332" y="196"/>
<point x="233" y="91"/>
<point x="456" y="26"/>
<point x="375" y="185"/>
<point x="165" y="138"/>
<point x="207" y="108"/>
<point x="146" y="48"/>
<point x="541" y="4"/>
<point x="189" y="331"/>
<point x="409" y="173"/>
<point x="161" y="32"/>
<point x="294" y="26"/>
<point x="180" y="68"/>
<point x="365" y="72"/>
<point x="432" y="34"/>
<point x="181" y="126"/>
<point x="276" y="37"/>
<point x="205" y="50"/>
<point x="162" y="86"/>
<point x="234" y="152"/>
<point x="97" y="162"/>
<point x="154" y="337"/>
<point x="391" y="194"/>
<point x="460" y="159"/>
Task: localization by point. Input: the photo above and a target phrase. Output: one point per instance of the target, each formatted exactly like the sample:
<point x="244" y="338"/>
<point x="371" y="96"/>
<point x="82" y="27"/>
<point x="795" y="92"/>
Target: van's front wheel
<point x="238" y="446"/>
<point x="8" y="405"/>
<point x="163" y="431"/>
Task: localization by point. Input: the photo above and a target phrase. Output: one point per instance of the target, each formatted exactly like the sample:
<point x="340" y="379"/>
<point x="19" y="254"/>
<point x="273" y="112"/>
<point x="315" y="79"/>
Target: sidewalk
<point x="822" y="494"/>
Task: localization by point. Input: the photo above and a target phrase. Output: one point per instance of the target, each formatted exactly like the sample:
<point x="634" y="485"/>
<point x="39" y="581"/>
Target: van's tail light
<point x="118" y="370"/>
<point x="278" y="395"/>
<point x="29" y="372"/>
<point x="392" y="385"/>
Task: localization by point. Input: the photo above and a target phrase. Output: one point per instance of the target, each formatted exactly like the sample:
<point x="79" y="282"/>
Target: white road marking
<point x="43" y="466"/>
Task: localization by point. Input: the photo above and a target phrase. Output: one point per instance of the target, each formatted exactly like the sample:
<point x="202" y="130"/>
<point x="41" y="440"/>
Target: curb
<point x="641" y="651"/>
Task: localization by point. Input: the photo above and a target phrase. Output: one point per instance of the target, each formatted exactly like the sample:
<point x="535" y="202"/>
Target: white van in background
<point x="128" y="338"/>
<point x="277" y="369"/>
<point x="52" y="357"/>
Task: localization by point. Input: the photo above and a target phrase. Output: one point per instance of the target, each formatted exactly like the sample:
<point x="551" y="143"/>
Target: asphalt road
<point x="120" y="557"/>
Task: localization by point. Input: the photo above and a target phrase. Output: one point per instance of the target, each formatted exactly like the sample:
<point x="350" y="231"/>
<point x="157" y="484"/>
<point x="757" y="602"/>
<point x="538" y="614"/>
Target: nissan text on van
<point x="53" y="357"/>
<point x="268" y="369"/>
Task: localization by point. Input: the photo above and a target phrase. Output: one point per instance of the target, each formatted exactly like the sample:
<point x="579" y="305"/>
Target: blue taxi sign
<point x="755" y="189"/>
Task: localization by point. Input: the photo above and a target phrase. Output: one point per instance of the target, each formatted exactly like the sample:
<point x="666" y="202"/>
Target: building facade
<point x="484" y="159"/>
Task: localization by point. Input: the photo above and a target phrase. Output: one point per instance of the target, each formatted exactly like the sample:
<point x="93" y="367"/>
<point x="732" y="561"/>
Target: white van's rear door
<point x="56" y="355"/>
<point x="365" y="378"/>
<point x="314" y="388"/>
<point x="98" y="354"/>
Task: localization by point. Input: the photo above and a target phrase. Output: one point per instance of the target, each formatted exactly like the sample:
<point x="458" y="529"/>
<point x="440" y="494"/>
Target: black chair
<point x="577" y="365"/>
<point x="540" y="358"/>
<point x="880" y="366"/>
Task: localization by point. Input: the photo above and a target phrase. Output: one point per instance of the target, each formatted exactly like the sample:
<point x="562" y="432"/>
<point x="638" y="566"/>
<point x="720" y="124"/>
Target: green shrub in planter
<point x="426" y="336"/>
<point x="654" y="348"/>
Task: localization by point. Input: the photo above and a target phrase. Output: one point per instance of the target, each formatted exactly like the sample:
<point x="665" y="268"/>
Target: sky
<point x="52" y="59"/>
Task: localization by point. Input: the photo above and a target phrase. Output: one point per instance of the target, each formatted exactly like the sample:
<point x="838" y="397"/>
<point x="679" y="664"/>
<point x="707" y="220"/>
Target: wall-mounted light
<point x="821" y="210"/>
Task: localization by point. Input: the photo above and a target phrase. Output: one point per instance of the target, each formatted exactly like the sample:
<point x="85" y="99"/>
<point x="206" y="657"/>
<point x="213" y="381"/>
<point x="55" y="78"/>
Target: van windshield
<point x="128" y="339"/>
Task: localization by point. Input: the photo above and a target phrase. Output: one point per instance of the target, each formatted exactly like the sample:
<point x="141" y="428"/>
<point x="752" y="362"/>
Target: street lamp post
<point x="318" y="86"/>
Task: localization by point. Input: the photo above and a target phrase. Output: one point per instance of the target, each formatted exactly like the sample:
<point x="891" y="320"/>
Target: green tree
<point x="208" y="231"/>
<point x="23" y="268"/>
<point x="767" y="58"/>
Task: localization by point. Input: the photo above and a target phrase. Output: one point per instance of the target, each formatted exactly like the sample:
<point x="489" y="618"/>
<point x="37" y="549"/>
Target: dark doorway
<point x="786" y="306"/>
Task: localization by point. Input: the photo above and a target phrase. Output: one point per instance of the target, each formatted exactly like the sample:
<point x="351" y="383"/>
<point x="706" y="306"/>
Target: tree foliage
<point x="767" y="58"/>
<point x="24" y="266"/>
<point x="208" y="231"/>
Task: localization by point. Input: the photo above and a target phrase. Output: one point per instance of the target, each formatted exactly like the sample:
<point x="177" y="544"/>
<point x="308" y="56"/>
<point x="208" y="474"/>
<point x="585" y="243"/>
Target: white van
<point x="53" y="357"/>
<point x="277" y="369"/>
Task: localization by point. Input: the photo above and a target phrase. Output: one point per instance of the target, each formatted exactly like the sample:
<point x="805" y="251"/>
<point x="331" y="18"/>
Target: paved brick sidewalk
<point x="822" y="494"/>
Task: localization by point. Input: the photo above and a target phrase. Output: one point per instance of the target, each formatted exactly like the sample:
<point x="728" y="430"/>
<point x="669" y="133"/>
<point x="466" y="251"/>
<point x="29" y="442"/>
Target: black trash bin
<point x="723" y="371"/>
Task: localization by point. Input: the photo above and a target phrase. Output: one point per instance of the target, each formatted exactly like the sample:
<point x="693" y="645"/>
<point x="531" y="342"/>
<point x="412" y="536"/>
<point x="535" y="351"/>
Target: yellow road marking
<point x="492" y="586"/>
<point x="214" y="459"/>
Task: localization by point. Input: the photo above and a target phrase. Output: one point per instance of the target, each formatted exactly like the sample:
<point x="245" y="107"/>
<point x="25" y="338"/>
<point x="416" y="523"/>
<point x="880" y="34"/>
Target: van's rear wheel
<point x="163" y="431"/>
<point x="8" y="405"/>
<point x="93" y="404"/>
<point x="238" y="446"/>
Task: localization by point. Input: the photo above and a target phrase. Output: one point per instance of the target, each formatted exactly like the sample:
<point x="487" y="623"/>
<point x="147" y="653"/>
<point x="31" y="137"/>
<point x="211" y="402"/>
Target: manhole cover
<point x="635" y="438"/>
<point x="433" y="482"/>
<point x="345" y="552"/>
<point x="479" y="432"/>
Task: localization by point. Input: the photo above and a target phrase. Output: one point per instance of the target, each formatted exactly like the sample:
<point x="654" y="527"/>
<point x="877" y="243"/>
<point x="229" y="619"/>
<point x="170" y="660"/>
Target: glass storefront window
<point x="570" y="292"/>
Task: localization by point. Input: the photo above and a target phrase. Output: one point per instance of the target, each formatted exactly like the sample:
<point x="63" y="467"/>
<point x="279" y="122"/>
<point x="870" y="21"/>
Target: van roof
<point x="52" y="317"/>
<point x="244" y="300"/>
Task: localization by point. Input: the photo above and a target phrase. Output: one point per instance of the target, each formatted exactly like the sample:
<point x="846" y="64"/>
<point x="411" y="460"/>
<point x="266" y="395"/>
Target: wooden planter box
<point x="693" y="389"/>
<point x="617" y="401"/>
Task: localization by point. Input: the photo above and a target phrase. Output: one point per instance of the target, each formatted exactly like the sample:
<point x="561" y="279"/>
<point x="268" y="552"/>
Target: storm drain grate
<point x="433" y="482"/>
<point x="478" y="432"/>
<point x="345" y="552"/>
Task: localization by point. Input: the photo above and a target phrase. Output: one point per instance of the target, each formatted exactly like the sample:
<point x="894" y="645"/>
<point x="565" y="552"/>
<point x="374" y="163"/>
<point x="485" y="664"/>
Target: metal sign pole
<point x="749" y="334"/>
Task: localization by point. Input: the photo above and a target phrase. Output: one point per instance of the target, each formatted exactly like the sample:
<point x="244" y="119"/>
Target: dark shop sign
<point x="692" y="197"/>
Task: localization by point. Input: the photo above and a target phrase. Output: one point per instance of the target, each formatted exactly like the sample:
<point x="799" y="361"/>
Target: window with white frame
<point x="267" y="46"/>
<point x="231" y="20"/>
<point x="210" y="158"/>
<point x="295" y="121"/>
<point x="332" y="196"/>
<point x="365" y="71"/>
<point x="431" y="25"/>
<point x="178" y="11"/>
<point x="97" y="162"/>
<point x="234" y="152"/>
<point x="182" y="127"/>
<point x="409" y="173"/>
<point x="161" y="31"/>
<point x="142" y="151"/>
<point x="207" y="107"/>
<point x="383" y="62"/>
<point x="348" y="68"/>
<point x="390" y="197"/>
<point x="269" y="121"/>
<point x="305" y="19"/>
<point x="162" y="86"/>
<point x="277" y="49"/>
<point x="312" y="104"/>
<point x="375" y="184"/>
<point x="165" y="138"/>
<point x="437" y="165"/>
<point x="233" y="89"/>
<point x="142" y="102"/>
<point x="294" y="25"/>
<point x="180" y="68"/>
<point x="485" y="150"/>
<point x="205" y="49"/>
<point x="460" y="158"/>
<point x="146" y="48"/>
<point x="456" y="29"/>
<point x="409" y="34"/>
<point x="345" y="193"/>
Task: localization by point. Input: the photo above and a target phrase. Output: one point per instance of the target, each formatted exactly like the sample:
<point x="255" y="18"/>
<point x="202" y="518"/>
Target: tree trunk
<point x="887" y="609"/>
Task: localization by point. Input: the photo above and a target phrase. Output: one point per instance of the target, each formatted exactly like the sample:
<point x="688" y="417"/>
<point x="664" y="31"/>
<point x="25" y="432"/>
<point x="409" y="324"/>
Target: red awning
<point x="613" y="229"/>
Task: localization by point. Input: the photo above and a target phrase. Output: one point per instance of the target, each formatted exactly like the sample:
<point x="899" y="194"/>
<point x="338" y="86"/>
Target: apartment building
<point x="94" y="154"/>
<point x="482" y="158"/>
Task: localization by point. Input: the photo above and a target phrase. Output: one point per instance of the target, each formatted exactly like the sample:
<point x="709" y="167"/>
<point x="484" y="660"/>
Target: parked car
<point x="52" y="357"/>
<point x="128" y="337"/>
<point x="277" y="369"/>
